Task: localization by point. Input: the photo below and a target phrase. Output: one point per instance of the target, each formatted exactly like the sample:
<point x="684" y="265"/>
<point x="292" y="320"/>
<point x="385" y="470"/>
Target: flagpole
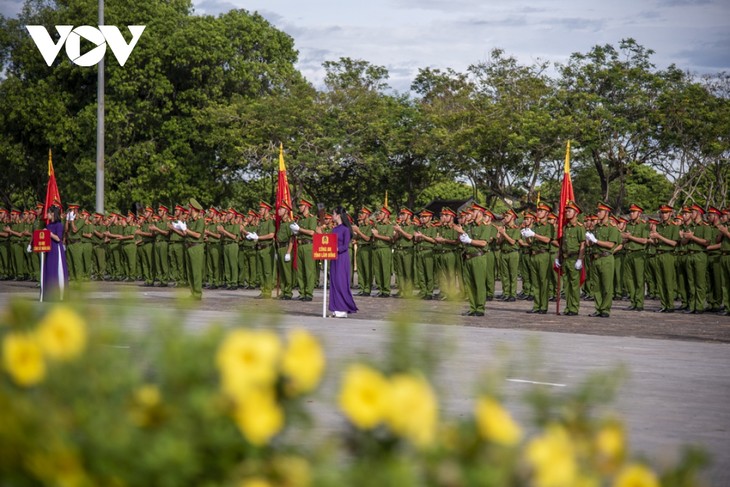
<point x="324" y="298"/>
<point x="100" y="126"/>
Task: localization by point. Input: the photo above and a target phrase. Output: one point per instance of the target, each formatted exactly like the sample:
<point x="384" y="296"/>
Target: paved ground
<point x="678" y="390"/>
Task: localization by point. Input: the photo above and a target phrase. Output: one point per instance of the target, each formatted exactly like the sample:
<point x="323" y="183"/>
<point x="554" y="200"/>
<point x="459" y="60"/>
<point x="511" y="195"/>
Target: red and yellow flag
<point x="566" y="192"/>
<point x="53" y="197"/>
<point x="283" y="197"/>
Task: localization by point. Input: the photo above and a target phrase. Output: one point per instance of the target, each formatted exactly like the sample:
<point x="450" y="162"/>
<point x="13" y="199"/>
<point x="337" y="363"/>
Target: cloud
<point x="684" y="3"/>
<point x="709" y="56"/>
<point x="10" y="8"/>
<point x="213" y="7"/>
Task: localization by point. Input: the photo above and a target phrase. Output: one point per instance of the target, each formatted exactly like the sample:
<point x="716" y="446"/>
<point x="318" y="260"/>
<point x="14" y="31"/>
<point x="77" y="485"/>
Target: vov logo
<point x="105" y="34"/>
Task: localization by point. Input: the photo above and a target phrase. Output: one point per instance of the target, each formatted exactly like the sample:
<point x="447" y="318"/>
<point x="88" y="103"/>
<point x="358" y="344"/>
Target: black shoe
<point x="631" y="308"/>
<point x="638" y="309"/>
<point x="467" y="313"/>
<point x="570" y="313"/>
<point x="542" y="312"/>
<point x="285" y="298"/>
<point x="690" y="311"/>
<point x="307" y="298"/>
<point x="604" y="315"/>
<point x="427" y="297"/>
<point x="478" y="313"/>
<point x="511" y="299"/>
<point x="490" y="299"/>
<point x="595" y="314"/>
<point x="724" y="313"/>
<point x="532" y="311"/>
<point x="383" y="295"/>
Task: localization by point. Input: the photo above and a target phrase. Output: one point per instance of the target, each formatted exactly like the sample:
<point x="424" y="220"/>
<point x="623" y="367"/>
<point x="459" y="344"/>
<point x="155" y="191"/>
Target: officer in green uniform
<point x="650" y="268"/>
<point x="490" y="235"/>
<point x="363" y="233"/>
<point x="146" y="248"/>
<point x="591" y="283"/>
<point x="634" y="239"/>
<point x="525" y="266"/>
<point x="665" y="238"/>
<point x="162" y="239"/>
<point x="618" y="259"/>
<point x="212" y="250"/>
<point x="508" y="236"/>
<point x="305" y="228"/>
<point x="403" y="249"/>
<point x="229" y="232"/>
<point x="176" y="250"/>
<point x="128" y="242"/>
<point x="426" y="240"/>
<point x="194" y="232"/>
<point x="604" y="241"/>
<point x="447" y="253"/>
<point x="475" y="260"/>
<point x="264" y="238"/>
<point x="284" y="242"/>
<point x="724" y="242"/>
<point x="541" y="236"/>
<point x="695" y="238"/>
<point x="572" y="250"/>
<point x="98" y="250"/>
<point x="553" y="251"/>
<point x="247" y="253"/>
<point x="4" y="245"/>
<point x="680" y="259"/>
<point x="383" y="233"/>
<point x="114" y="248"/>
<point x="714" y="272"/>
<point x="87" y="250"/>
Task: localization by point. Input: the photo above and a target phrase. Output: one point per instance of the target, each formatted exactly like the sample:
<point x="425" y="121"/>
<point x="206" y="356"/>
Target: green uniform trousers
<point x="382" y="266"/>
<point x="365" y="268"/>
<point x="75" y="252"/>
<point x="100" y="260"/>
<point x="541" y="267"/>
<point x="162" y="269"/>
<point x="725" y="275"/>
<point x="286" y="273"/>
<point x="490" y="275"/>
<point x="19" y="269"/>
<point x="213" y="253"/>
<point x="525" y="269"/>
<point x="666" y="276"/>
<point x="634" y="277"/>
<point x="115" y="261"/>
<point x="248" y="266"/>
<point x="4" y="259"/>
<point x="697" y="280"/>
<point x="88" y="254"/>
<point x="570" y="281"/>
<point x="427" y="265"/>
<point x="650" y="275"/>
<point x="714" y="281"/>
<point x="176" y="251"/>
<point x="682" y="279"/>
<point x="230" y="264"/>
<point x="306" y="269"/>
<point x="130" y="259"/>
<point x="475" y="281"/>
<point x="509" y="268"/>
<point x="602" y="270"/>
<point x="146" y="251"/>
<point x="266" y="269"/>
<point x="195" y="266"/>
<point x="619" y="269"/>
<point x="446" y="271"/>
<point x="403" y="260"/>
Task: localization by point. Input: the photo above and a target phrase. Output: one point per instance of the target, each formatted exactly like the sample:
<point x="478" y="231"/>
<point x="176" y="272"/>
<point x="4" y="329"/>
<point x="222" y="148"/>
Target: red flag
<point x="283" y="195"/>
<point x="53" y="197"/>
<point x="566" y="192"/>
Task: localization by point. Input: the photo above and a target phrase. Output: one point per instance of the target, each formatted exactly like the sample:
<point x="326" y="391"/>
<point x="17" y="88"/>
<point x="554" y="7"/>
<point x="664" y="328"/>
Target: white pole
<point x="324" y="301"/>
<point x="100" y="125"/>
<point x="43" y="259"/>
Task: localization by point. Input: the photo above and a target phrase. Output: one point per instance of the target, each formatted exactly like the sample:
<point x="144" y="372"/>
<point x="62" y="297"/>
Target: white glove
<point x="177" y="225"/>
<point x="465" y="239"/>
<point x="29" y="249"/>
<point x="70" y="216"/>
<point x="557" y="263"/>
<point x="252" y="236"/>
<point x="527" y="232"/>
<point x="591" y="238"/>
<point x="294" y="228"/>
<point x="183" y="226"/>
<point x="287" y="257"/>
<point x="578" y="264"/>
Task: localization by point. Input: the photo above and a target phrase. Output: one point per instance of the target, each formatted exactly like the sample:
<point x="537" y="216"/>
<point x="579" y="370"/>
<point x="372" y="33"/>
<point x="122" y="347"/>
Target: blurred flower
<point x="294" y="471"/>
<point x="552" y="455"/>
<point x="148" y="396"/>
<point x="495" y="423"/>
<point x="413" y="409"/>
<point x="255" y="482"/>
<point x="248" y="358"/>
<point x="59" y="466"/>
<point x="23" y="359"/>
<point x="258" y="416"/>
<point x="62" y="333"/>
<point x="303" y="361"/>
<point x="147" y="409"/>
<point x="610" y="444"/>
<point x="364" y="396"/>
<point x="636" y="475"/>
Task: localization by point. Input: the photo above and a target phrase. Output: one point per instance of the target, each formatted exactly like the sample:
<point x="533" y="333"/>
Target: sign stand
<point x="324" y="248"/>
<point x="41" y="243"/>
<point x="43" y="261"/>
<point x="324" y="301"/>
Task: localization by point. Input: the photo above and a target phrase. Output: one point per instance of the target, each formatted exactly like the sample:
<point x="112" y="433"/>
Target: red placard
<point x="41" y="241"/>
<point x="325" y="246"/>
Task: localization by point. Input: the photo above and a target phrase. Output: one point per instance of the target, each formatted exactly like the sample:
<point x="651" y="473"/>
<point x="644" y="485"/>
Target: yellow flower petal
<point x="413" y="410"/>
<point x="258" y="416"/>
<point x="636" y="475"/>
<point x="552" y="456"/>
<point x="23" y="359"/>
<point x="495" y="423"/>
<point x="246" y="359"/>
<point x="62" y="333"/>
<point x="364" y="396"/>
<point x="303" y="361"/>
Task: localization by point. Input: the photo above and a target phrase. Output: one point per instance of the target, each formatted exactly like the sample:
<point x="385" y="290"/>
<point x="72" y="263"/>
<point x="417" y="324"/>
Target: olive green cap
<point x="194" y="203"/>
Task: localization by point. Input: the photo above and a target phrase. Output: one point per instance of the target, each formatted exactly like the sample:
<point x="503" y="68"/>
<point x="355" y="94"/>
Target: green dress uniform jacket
<point x="665" y="266"/>
<point x="196" y="257"/>
<point x="635" y="264"/>
<point x="602" y="266"/>
<point x="306" y="269"/>
<point x="265" y="252"/>
<point x="383" y="259"/>
<point x="541" y="265"/>
<point x="573" y="236"/>
<point x="509" y="257"/>
<point x="286" y="271"/>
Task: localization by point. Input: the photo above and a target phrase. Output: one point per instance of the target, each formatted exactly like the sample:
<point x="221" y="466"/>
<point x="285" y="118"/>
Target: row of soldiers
<point x="686" y="257"/>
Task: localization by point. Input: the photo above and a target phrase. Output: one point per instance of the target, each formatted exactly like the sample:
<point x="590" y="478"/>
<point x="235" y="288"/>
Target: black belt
<point x="449" y="251"/>
<point x="305" y="241"/>
<point x="505" y="252"/>
<point x="471" y="256"/>
<point x="262" y="246"/>
<point x="281" y="245"/>
<point x="600" y="255"/>
<point x="659" y="252"/>
<point x="572" y="254"/>
<point x="536" y="252"/>
<point x="192" y="244"/>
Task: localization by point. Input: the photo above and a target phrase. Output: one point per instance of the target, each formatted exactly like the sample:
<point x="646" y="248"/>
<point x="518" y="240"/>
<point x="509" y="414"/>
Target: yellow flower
<point x="148" y="396"/>
<point x="636" y="475"/>
<point x="258" y="416"/>
<point x="303" y="361"/>
<point x="147" y="408"/>
<point x="246" y="359"/>
<point x="412" y="409"/>
<point x="495" y="423"/>
<point x="552" y="456"/>
<point x="62" y="333"/>
<point x="256" y="482"/>
<point x="23" y="359"/>
<point x="610" y="446"/>
<point x="293" y="471"/>
<point x="364" y="396"/>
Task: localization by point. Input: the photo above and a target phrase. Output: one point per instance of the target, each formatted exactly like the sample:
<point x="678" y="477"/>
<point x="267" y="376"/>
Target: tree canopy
<point x="203" y="103"/>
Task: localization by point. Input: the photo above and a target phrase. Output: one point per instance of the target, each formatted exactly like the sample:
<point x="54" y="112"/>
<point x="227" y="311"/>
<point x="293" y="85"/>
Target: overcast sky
<point x="405" y="35"/>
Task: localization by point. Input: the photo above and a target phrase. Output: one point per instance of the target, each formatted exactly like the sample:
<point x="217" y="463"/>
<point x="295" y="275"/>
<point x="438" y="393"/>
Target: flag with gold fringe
<point x="283" y="196"/>
<point x="53" y="197"/>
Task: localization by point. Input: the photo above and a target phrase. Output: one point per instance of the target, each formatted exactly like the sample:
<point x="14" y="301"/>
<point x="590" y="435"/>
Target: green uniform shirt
<point x="700" y="230"/>
<point x="638" y="229"/>
<point x="402" y="242"/>
<point x="284" y="234"/>
<point x="573" y="237"/>
<point x="384" y="231"/>
<point x="265" y="227"/>
<point x="545" y="230"/>
<point x="429" y="231"/>
<point x="197" y="226"/>
<point x="668" y="231"/>
<point x="478" y="232"/>
<point x="514" y="234"/>
<point x="607" y="233"/>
